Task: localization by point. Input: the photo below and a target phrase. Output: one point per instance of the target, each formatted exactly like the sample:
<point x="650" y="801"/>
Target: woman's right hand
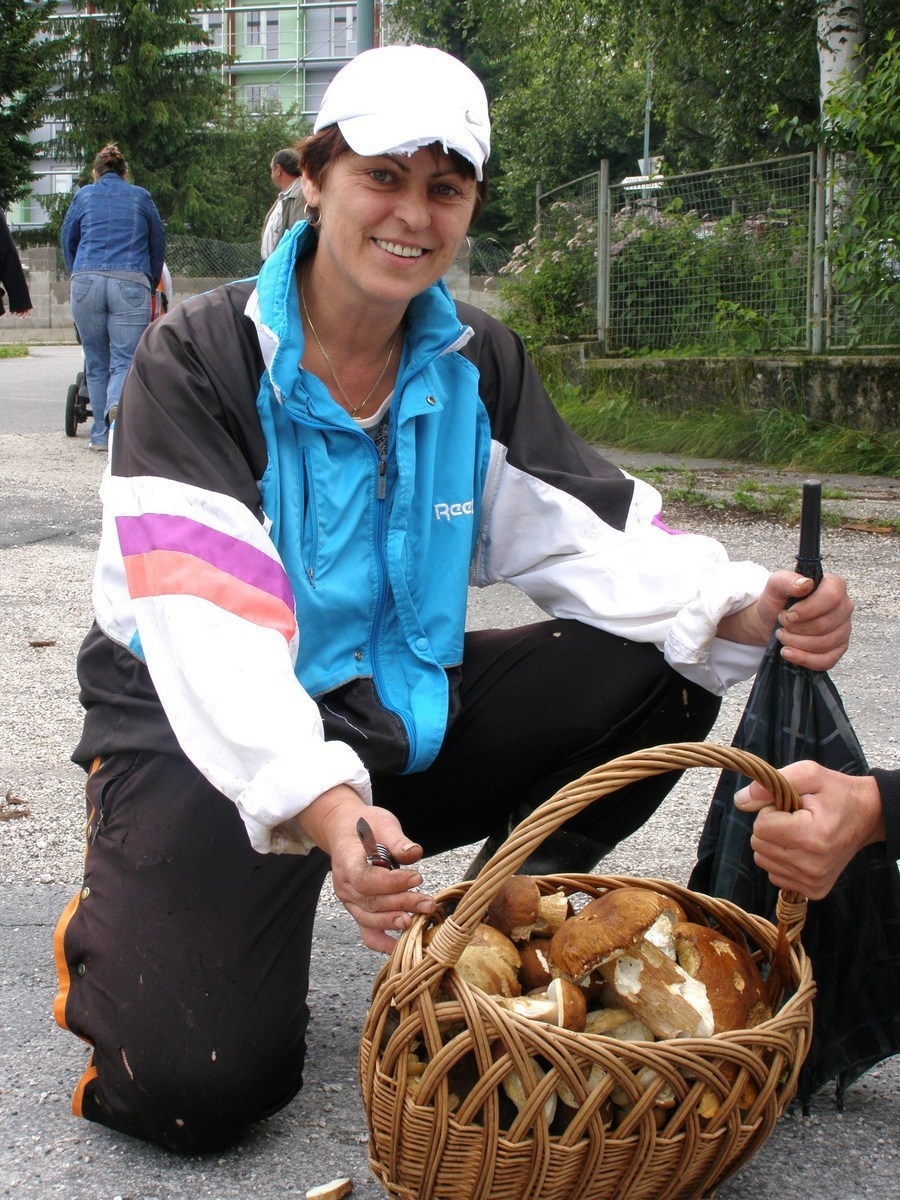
<point x="381" y="902"/>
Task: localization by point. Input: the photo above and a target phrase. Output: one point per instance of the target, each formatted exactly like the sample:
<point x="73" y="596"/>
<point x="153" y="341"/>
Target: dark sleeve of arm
<point x="188" y="410"/>
<point x="11" y="274"/>
<point x="524" y="420"/>
<point x="889" y="786"/>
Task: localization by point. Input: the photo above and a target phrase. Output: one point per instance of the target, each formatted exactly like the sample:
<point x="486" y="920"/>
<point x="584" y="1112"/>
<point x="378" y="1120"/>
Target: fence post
<point x="603" y="257"/>
<point x="818" y="279"/>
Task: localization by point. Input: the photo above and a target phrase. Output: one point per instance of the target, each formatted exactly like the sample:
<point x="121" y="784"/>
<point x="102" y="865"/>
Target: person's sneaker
<point x="98" y="446"/>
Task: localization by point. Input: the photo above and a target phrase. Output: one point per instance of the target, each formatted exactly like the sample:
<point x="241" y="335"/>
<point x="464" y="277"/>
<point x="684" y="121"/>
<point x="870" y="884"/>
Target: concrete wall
<point x="856" y="391"/>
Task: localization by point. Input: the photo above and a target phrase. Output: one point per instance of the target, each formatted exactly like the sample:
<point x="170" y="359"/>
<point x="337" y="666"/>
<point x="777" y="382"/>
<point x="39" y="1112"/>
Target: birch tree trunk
<point x="841" y="36"/>
<point x="840" y="30"/>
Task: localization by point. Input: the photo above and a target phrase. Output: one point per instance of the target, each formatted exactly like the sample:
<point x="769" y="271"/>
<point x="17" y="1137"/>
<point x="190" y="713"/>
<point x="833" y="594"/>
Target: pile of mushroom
<point x="629" y="965"/>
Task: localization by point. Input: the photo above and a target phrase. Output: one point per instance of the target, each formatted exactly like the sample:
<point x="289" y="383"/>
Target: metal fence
<point x="735" y="259"/>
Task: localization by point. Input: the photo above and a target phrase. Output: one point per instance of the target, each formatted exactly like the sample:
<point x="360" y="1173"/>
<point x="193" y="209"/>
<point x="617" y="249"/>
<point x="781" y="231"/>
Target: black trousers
<point x="184" y="959"/>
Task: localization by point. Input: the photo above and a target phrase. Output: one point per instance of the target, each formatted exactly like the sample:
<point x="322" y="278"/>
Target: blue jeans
<point x="110" y="315"/>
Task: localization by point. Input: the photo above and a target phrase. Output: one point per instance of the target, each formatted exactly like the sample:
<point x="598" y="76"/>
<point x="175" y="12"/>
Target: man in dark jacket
<point x="12" y="277"/>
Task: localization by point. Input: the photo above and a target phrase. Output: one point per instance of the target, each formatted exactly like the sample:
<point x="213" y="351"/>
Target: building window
<point x="254" y="27"/>
<point x="213" y="23"/>
<point x="343" y="31"/>
<point x="272" y="47"/>
<point x="258" y="96"/>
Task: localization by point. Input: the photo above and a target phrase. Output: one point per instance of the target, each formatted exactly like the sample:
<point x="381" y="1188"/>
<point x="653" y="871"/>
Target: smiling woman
<point x="308" y="471"/>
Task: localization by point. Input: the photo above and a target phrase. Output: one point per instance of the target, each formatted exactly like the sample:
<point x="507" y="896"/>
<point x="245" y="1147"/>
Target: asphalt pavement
<point x="49" y="525"/>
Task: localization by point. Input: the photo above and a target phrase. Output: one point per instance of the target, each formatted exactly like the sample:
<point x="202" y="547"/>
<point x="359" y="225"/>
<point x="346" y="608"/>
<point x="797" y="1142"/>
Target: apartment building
<point x="286" y="53"/>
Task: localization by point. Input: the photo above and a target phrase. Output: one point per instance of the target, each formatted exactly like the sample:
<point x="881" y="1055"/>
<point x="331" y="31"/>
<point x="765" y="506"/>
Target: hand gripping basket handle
<point x="454" y="934"/>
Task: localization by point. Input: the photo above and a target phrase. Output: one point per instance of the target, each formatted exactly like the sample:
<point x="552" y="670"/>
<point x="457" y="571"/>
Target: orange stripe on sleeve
<point x="170" y="572"/>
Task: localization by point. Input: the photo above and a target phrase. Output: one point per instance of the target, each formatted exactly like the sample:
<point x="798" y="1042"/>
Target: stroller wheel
<point x="71" y="410"/>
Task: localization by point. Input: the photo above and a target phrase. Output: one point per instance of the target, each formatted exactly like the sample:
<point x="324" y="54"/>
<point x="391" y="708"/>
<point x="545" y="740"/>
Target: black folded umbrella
<point x="852" y="936"/>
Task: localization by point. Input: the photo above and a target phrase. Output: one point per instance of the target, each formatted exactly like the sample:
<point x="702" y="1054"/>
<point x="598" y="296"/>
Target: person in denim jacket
<point x="114" y="243"/>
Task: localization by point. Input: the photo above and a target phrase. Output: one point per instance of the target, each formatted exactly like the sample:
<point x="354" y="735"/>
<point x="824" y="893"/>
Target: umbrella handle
<point x="809" y="553"/>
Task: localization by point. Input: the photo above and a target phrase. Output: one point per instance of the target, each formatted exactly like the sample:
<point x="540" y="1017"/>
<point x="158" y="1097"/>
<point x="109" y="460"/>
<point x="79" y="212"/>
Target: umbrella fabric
<point x="852" y="936"/>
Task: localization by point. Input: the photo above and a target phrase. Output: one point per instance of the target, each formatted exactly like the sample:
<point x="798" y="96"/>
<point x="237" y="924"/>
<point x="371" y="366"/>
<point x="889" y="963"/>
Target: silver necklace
<point x="351" y="408"/>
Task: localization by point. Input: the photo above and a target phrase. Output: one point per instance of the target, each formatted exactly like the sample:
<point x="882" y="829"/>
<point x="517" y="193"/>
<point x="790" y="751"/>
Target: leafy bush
<point x="677" y="282"/>
<point x="548" y="288"/>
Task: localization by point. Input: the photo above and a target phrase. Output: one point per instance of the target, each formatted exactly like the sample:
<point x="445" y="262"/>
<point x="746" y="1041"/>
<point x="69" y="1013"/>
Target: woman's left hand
<point x="379" y="900"/>
<point x="814" y="631"/>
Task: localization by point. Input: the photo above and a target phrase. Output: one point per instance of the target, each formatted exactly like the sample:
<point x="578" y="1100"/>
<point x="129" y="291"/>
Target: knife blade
<point x="376" y="854"/>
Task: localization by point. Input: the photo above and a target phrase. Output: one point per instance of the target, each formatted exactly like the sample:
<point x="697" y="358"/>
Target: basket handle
<point x="454" y="934"/>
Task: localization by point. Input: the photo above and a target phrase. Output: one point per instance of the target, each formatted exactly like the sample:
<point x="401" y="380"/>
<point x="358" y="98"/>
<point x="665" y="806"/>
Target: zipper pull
<point x="381" y="487"/>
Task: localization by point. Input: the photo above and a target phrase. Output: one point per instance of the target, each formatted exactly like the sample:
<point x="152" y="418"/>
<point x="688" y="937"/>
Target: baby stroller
<point x="78" y="399"/>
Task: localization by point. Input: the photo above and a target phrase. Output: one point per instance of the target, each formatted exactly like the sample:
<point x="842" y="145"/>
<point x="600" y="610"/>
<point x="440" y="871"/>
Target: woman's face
<point x="391" y="225"/>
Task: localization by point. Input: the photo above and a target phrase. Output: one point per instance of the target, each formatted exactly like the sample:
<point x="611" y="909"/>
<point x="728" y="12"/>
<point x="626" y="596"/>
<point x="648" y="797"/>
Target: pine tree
<point x="29" y="56"/>
<point x="143" y="75"/>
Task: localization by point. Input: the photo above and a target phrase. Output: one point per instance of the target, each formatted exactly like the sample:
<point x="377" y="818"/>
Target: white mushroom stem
<point x="662" y="995"/>
<point x="515" y="1090"/>
<point x="552" y="911"/>
<point x="335" y="1190"/>
<point x="535" y="1007"/>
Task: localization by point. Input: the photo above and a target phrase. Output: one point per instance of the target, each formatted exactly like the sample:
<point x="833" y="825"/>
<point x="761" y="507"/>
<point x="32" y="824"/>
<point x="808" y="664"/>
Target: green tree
<point x="567" y="80"/>
<point x="861" y="120"/>
<point x="143" y="75"/>
<point x="236" y="190"/>
<point x="29" y="57"/>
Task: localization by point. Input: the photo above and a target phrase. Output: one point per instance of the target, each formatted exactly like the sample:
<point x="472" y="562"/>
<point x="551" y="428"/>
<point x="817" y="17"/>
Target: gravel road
<point x="49" y="525"/>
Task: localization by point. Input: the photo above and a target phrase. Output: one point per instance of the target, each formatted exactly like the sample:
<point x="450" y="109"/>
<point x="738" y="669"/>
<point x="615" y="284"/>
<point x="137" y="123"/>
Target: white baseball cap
<point x="394" y="99"/>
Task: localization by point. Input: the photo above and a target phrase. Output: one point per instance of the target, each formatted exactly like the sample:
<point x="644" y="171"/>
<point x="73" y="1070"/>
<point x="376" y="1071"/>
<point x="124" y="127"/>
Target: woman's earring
<point x="312" y="215"/>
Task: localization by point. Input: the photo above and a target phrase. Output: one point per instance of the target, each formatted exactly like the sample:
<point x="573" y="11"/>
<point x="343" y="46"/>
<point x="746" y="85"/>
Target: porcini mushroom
<point x="553" y="909"/>
<point x="335" y="1190"/>
<point x="732" y="980"/>
<point x="491" y="962"/>
<point x="609" y="926"/>
<point x="535" y="969"/>
<point x="626" y="935"/>
<point x="516" y="907"/>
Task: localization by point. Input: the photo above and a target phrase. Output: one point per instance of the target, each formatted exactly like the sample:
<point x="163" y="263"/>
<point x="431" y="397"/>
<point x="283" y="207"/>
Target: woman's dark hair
<point x="289" y="160"/>
<point x="320" y="150"/>
<point x="111" y="158"/>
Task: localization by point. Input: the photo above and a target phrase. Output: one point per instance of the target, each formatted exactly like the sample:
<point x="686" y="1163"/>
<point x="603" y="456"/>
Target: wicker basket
<point x="439" y="1140"/>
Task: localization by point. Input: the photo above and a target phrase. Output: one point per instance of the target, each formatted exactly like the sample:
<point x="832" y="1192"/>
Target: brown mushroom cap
<point x="516" y="907"/>
<point x="491" y="962"/>
<point x="607" y="927"/>
<point x="535" y="969"/>
<point x="571" y="1006"/>
<point x="734" y="986"/>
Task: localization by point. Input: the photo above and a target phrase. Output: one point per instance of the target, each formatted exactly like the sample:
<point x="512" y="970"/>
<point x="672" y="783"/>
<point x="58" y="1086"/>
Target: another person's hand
<point x="815" y="629"/>
<point x="378" y="900"/>
<point x="805" y="851"/>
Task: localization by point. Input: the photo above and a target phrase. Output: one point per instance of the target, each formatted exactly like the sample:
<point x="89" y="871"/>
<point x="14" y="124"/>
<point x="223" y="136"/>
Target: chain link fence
<point x="734" y="259"/>
<point x="745" y="259"/>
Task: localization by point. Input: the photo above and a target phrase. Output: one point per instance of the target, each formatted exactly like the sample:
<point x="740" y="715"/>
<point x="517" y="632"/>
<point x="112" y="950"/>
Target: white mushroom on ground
<point x="335" y="1190"/>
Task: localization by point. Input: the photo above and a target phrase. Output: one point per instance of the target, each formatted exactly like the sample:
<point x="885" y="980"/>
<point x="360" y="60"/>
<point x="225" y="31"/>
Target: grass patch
<point x="780" y="437"/>
<point x="14" y="350"/>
